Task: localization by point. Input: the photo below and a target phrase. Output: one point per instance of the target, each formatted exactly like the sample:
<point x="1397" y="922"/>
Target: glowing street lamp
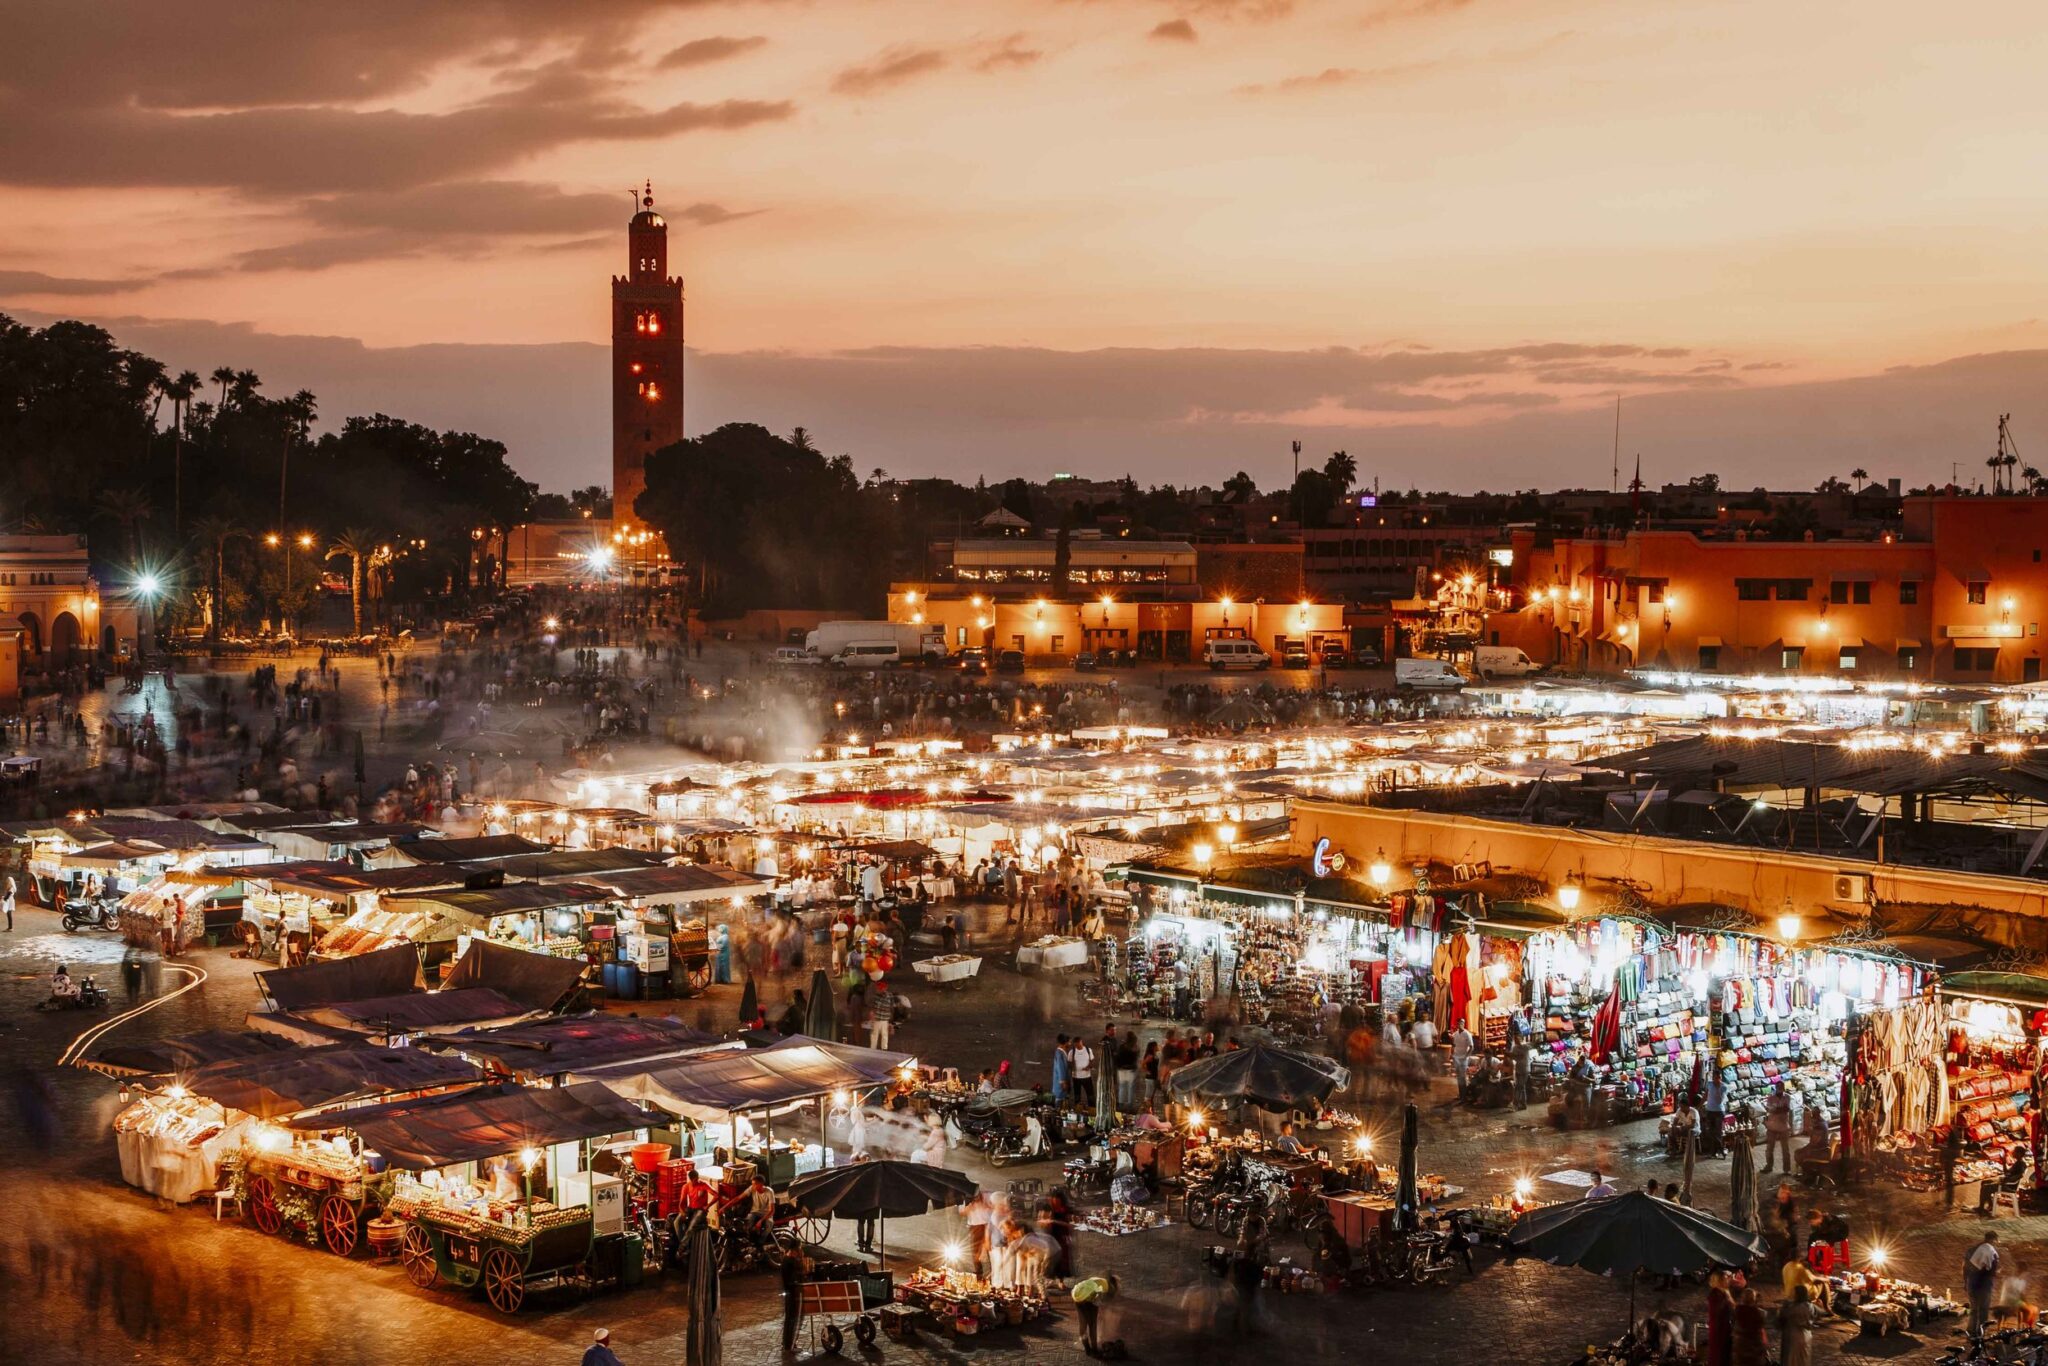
<point x="1380" y="871"/>
<point x="1568" y="894"/>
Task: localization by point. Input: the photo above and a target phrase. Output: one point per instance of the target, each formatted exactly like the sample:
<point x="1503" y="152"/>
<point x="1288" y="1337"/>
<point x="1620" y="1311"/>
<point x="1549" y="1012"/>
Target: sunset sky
<point x="1020" y="236"/>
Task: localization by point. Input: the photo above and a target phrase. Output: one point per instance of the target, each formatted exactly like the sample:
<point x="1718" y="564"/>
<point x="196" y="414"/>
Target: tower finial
<point x="648" y="202"/>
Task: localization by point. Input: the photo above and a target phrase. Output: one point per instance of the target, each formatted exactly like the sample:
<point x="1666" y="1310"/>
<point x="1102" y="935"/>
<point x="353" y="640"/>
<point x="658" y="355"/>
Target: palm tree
<point x="1860" y="475"/>
<point x="128" y="508"/>
<point x="800" y="437"/>
<point x="1341" y="470"/>
<point x="223" y="375"/>
<point x="360" y="546"/>
<point x="216" y="531"/>
<point x="246" y="383"/>
<point x="181" y="391"/>
<point x="1240" y="488"/>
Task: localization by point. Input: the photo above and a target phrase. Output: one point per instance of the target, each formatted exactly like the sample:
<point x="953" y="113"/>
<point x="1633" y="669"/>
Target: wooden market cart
<point x="305" y="1188"/>
<point x="441" y="1245"/>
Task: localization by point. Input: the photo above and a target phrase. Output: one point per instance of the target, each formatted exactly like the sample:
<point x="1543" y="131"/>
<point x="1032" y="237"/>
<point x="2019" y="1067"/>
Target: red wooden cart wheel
<point x="504" y="1282"/>
<point x="263" y="1210"/>
<point x="340" y="1225"/>
<point x="416" y="1255"/>
<point x="697" y="978"/>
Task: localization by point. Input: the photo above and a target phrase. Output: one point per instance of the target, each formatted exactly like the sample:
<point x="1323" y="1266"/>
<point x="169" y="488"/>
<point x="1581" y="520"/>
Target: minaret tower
<point x="647" y="360"/>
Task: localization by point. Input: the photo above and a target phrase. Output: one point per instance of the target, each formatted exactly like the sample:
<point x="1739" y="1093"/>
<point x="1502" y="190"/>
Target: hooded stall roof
<point x="537" y="981"/>
<point x="476" y="907"/>
<point x="437" y="1131"/>
<point x="381" y="1017"/>
<point x="684" y="882"/>
<point x="873" y="1064"/>
<point x="711" y="1086"/>
<point x="470" y="850"/>
<point x="183" y="1051"/>
<point x="387" y="972"/>
<point x="572" y="1043"/>
<point x="274" y="1085"/>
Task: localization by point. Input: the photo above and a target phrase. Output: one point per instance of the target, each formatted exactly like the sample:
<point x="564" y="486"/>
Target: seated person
<point x="2012" y="1179"/>
<point x="62" y="987"/>
<point x="1816" y="1144"/>
<point x="1684" y="1121"/>
<point x="1287" y="1142"/>
<point x="1332" y="1253"/>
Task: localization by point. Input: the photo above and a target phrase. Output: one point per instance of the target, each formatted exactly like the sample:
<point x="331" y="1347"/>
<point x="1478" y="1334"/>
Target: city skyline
<point x="1112" y="237"/>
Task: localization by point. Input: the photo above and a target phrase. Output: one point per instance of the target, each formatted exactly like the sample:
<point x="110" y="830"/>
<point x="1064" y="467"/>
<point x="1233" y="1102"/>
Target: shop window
<point x="1846" y="661"/>
<point x="1789" y="657"/>
<point x="1976" y="660"/>
<point x="1909" y="659"/>
<point x="1794" y="590"/>
<point x="1980" y="591"/>
<point x="1842" y="591"/>
<point x="2030" y="667"/>
<point x="1058" y="643"/>
<point x="1710" y="658"/>
<point x="1909" y="592"/>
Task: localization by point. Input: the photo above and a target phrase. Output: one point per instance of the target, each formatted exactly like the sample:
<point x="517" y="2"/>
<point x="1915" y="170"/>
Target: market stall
<point x="491" y="1188"/>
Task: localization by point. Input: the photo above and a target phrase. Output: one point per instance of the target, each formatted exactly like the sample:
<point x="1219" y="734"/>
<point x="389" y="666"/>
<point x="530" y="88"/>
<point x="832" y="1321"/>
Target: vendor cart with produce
<point x="471" y="1176"/>
<point x="315" y="1190"/>
<point x="544" y="1245"/>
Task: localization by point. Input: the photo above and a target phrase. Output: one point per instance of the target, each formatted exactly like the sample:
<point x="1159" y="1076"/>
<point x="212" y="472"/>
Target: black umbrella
<point x="885" y="1190"/>
<point x="704" y="1339"/>
<point x="821" y="1017"/>
<point x="750" y="1002"/>
<point x="1271" y="1078"/>
<point x="1624" y="1234"/>
<point x="1405" y="1197"/>
<point x="1742" y="1186"/>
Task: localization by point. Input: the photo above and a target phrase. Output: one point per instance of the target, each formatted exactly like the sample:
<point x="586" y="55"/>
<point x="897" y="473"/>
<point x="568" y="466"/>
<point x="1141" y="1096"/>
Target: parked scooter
<point x="104" y="914"/>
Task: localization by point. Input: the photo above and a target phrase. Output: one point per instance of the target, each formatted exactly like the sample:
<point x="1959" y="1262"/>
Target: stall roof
<point x="467" y="850"/>
<point x="683" y="882"/>
<point x="366" y="976"/>
<point x="537" y="981"/>
<point x="479" y="904"/>
<point x="414" y="1011"/>
<point x="2027" y="987"/>
<point x="558" y="864"/>
<point x="485" y="1122"/>
<point x="710" y="1086"/>
<point x="183" y="1051"/>
<point x="331" y="881"/>
<point x="876" y="1064"/>
<point x="275" y="1084"/>
<point x="1800" y="764"/>
<point x="571" y="1043"/>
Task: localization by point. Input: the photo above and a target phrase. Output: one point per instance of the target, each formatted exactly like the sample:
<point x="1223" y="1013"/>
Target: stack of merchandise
<point x="1767" y="1042"/>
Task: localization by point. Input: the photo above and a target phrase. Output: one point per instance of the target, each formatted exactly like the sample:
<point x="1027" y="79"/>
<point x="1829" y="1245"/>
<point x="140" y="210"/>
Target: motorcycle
<point x="1023" y="1143"/>
<point x="104" y="914"/>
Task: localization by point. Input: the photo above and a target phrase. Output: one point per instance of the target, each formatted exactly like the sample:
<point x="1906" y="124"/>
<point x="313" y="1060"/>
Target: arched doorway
<point x="64" y="637"/>
<point x="109" y="642"/>
<point x="32" y="634"/>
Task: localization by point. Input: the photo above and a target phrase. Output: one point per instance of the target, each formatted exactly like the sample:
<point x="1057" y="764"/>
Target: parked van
<point x="868" y="655"/>
<point x="1294" y="654"/>
<point x="1427" y="673"/>
<point x="1235" y="652"/>
<point x="1503" y="661"/>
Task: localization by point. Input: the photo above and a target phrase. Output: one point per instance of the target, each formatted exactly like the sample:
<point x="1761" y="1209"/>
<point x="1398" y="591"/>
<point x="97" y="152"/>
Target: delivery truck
<point x="841" y="642"/>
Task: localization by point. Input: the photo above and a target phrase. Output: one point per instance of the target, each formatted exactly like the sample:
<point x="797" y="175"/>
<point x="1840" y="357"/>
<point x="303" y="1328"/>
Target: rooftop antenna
<point x="2006" y="457"/>
<point x="1614" y="482"/>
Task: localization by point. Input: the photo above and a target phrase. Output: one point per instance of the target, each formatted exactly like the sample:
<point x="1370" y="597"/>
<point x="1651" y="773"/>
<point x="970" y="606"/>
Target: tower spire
<point x="647" y="202"/>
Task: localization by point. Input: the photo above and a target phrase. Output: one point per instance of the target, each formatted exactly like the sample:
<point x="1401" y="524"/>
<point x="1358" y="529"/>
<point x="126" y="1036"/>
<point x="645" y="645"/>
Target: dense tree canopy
<point x="190" y="477"/>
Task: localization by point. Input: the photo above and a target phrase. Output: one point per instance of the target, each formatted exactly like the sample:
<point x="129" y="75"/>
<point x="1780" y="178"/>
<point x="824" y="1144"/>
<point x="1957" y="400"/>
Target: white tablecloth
<point x="1053" y="952"/>
<point x="953" y="968"/>
<point x="939" y="888"/>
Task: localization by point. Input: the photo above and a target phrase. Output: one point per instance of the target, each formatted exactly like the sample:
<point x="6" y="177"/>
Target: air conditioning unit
<point x="1852" y="889"/>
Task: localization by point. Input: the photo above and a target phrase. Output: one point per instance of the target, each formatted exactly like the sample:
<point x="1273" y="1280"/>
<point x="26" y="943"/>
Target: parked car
<point x="1010" y="662"/>
<point x="1367" y="657"/>
<point x="786" y="655"/>
<point x="1336" y="657"/>
<point x="1294" y="655"/>
<point x="973" y="661"/>
<point x="1085" y="661"/>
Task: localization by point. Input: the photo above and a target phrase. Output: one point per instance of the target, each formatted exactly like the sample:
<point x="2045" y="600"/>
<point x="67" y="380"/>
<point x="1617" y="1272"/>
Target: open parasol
<point x="1624" y="1234"/>
<point x="885" y="1190"/>
<point x="1406" y="1201"/>
<point x="1271" y="1078"/>
<point x="1742" y="1186"/>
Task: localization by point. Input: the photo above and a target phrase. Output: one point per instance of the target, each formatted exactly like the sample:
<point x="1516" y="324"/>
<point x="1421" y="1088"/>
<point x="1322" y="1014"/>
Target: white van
<point x="1427" y="673"/>
<point x="1503" y="661"/>
<point x="868" y="655"/>
<point x="1235" y="652"/>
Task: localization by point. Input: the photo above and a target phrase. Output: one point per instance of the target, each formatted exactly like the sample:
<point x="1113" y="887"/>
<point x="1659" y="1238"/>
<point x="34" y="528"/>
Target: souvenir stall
<point x="1933" y="1064"/>
<point x="1633" y="1013"/>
